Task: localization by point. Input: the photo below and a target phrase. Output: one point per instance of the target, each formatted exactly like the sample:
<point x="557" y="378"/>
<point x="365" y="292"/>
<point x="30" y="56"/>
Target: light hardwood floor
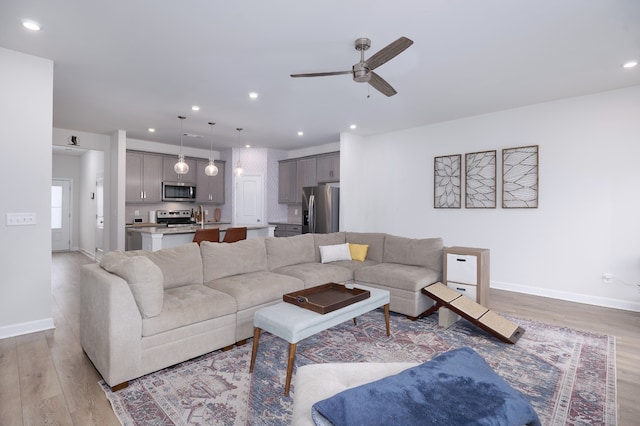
<point x="45" y="378"/>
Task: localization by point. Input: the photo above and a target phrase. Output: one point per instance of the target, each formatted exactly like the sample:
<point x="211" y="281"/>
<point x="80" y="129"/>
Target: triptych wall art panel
<point x="519" y="179"/>
<point x="480" y="180"/>
<point x="447" y="182"/>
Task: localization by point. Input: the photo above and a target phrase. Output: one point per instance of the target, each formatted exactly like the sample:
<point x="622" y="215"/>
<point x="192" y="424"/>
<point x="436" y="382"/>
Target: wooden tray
<point x="326" y="298"/>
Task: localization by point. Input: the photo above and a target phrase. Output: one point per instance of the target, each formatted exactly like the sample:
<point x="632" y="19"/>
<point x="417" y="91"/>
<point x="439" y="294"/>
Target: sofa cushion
<point x="405" y="277"/>
<point x="358" y="251"/>
<point x="327" y="240"/>
<point x="313" y="274"/>
<point x="290" y="250"/>
<point x="418" y="252"/>
<point x="145" y="281"/>
<point x="334" y="253"/>
<point x="256" y="288"/>
<point x="225" y="260"/>
<point x="180" y="265"/>
<point x="187" y="305"/>
<point x="354" y="265"/>
<point x="375" y="241"/>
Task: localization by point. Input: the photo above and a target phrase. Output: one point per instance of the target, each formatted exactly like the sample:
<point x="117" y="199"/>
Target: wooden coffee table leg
<point x="254" y="350"/>
<point x="292" y="356"/>
<point x="386" y="318"/>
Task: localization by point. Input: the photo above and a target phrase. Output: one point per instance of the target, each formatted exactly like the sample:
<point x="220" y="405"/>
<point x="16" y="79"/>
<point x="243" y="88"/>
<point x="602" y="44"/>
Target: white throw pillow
<point x="334" y="253"/>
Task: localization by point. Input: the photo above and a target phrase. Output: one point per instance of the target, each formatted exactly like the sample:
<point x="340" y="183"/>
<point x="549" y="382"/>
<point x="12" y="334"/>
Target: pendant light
<point x="239" y="170"/>
<point x="211" y="169"/>
<point x="181" y="167"/>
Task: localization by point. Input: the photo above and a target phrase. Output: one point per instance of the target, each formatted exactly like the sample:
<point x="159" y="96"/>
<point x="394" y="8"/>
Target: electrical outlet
<point x="295" y="212"/>
<point x="136" y="213"/>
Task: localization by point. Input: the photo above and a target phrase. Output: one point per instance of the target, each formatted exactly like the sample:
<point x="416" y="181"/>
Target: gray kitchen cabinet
<point x="209" y="189"/>
<point x="169" y="175"/>
<point x="143" y="183"/>
<point x="328" y="168"/>
<point x="306" y="175"/>
<point x="287" y="182"/>
<point x="287" y="230"/>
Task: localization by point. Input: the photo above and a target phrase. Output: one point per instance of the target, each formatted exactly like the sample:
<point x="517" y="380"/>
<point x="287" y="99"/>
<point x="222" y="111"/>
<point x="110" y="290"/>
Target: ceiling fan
<point x="363" y="71"/>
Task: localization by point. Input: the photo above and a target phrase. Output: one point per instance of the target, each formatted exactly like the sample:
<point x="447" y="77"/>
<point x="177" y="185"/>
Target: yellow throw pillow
<point x="358" y="251"/>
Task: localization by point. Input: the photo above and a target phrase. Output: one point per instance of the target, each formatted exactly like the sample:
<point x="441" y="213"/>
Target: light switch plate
<point x="19" y="219"/>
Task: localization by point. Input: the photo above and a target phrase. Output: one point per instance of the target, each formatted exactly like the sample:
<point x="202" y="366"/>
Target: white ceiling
<point x="131" y="65"/>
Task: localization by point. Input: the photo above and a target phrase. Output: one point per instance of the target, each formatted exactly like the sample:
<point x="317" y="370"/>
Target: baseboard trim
<point x="570" y="297"/>
<point x="26" y="328"/>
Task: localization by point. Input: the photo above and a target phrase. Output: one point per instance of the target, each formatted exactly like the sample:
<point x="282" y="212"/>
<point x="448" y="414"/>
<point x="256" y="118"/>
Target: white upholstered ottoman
<point x="293" y="323"/>
<point x="315" y="382"/>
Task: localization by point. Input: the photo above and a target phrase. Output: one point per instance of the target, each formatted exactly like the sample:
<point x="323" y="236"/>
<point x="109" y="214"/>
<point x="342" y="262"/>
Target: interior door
<point x="248" y="208"/>
<point x="99" y="216"/>
<point x="61" y="215"/>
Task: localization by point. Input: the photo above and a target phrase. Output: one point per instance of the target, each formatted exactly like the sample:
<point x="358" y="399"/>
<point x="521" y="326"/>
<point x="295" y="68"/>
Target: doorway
<point x="61" y="214"/>
<point x="248" y="200"/>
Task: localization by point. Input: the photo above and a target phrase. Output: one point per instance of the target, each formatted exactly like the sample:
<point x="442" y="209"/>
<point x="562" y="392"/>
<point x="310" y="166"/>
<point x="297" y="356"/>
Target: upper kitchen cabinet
<point x="169" y="175"/>
<point x="209" y="189"/>
<point x="306" y="174"/>
<point x="288" y="182"/>
<point x="144" y="178"/>
<point x="328" y="168"/>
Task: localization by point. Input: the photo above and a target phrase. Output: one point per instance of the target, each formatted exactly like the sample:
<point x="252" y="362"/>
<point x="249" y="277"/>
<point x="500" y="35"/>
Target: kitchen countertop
<point x="151" y="224"/>
<point x="285" y="222"/>
<point x="187" y="229"/>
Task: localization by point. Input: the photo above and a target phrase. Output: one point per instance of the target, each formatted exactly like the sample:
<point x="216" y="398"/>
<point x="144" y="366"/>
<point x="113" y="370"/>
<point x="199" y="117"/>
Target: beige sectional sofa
<point x="143" y="311"/>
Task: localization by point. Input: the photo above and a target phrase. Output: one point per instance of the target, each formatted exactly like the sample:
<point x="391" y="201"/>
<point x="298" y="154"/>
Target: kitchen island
<point x="156" y="238"/>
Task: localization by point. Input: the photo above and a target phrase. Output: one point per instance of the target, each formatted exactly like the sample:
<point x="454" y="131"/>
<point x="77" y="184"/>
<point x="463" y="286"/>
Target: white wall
<point x="26" y="113"/>
<point x="587" y="220"/>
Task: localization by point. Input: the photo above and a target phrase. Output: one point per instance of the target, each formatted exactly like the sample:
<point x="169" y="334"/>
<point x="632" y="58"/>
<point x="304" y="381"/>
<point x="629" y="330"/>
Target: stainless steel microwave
<point x="178" y="191"/>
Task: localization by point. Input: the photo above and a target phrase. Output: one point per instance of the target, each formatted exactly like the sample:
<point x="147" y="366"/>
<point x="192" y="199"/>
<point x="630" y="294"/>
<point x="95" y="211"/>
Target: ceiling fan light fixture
<point x="181" y="167"/>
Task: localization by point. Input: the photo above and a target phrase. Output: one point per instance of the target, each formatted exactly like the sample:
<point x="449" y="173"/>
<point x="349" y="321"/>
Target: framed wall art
<point x="447" y="181"/>
<point x="520" y="177"/>
<point x="480" y="180"/>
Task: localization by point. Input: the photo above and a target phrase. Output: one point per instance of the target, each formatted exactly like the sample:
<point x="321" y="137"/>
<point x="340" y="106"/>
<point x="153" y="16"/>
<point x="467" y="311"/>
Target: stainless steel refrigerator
<point x="320" y="209"/>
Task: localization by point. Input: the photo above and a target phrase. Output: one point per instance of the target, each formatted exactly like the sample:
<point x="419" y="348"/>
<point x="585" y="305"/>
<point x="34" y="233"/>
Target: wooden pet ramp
<point x="473" y="312"/>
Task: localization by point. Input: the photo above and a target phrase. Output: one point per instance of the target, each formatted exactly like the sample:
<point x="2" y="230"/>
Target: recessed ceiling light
<point x="300" y="133"/>
<point x="630" y="64"/>
<point x="353" y="126"/>
<point x="247" y="146"/>
<point x="151" y="129"/>
<point x="31" y="25"/>
<point x="195" y="108"/>
<point x="253" y="95"/>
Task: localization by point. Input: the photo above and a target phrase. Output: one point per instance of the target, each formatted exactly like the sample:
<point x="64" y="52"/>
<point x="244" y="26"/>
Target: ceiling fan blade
<point x="381" y="85"/>
<point x="321" y="74"/>
<point x="389" y="52"/>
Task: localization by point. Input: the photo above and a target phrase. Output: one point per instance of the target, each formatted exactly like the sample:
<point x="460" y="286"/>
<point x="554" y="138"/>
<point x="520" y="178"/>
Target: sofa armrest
<point x="110" y="325"/>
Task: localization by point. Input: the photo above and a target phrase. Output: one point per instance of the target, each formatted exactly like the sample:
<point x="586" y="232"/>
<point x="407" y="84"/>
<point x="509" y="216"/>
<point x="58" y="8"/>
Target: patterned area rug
<point x="568" y="375"/>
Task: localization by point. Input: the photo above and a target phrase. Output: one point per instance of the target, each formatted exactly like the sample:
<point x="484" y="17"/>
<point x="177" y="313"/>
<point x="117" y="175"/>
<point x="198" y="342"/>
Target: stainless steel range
<point x="174" y="218"/>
